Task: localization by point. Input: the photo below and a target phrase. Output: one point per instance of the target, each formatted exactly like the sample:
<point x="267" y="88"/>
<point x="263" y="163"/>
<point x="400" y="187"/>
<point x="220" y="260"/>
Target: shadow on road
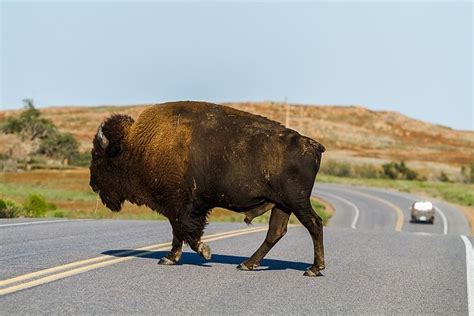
<point x="194" y="259"/>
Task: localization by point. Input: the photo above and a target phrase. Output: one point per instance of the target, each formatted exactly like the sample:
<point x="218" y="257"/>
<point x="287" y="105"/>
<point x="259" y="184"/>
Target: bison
<point x="182" y="159"/>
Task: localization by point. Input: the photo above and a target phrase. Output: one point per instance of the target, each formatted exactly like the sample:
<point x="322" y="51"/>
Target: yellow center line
<point x="400" y="216"/>
<point x="103" y="261"/>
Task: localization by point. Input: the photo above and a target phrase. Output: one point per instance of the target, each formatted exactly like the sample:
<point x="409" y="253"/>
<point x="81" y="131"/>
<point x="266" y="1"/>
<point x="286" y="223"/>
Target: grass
<point x="17" y="191"/>
<point x="321" y="210"/>
<point x="458" y="193"/>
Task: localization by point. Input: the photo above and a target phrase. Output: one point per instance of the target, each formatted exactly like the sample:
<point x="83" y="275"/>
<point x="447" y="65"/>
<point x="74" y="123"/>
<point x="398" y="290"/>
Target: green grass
<point x="321" y="211"/>
<point x="458" y="193"/>
<point x="19" y="191"/>
<point x="105" y="214"/>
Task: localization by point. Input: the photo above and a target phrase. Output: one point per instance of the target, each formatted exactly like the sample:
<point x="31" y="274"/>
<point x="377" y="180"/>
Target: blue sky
<point x="410" y="57"/>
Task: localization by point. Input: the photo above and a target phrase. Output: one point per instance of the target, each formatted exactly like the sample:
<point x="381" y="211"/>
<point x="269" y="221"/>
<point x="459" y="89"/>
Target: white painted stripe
<point x="356" y="209"/>
<point x="445" y="220"/>
<point x="469" y="274"/>
<point x="34" y="223"/>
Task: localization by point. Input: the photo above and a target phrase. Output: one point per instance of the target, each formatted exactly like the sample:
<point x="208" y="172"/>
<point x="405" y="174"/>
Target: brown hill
<point x="350" y="133"/>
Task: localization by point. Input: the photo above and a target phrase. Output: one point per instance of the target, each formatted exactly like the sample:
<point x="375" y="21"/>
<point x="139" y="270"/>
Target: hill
<point x="351" y="134"/>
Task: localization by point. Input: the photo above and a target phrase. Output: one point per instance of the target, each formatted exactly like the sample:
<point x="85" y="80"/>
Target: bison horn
<point x="104" y="142"/>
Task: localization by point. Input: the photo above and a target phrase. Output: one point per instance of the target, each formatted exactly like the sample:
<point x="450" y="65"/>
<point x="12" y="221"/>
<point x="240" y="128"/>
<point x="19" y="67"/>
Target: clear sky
<point x="410" y="57"/>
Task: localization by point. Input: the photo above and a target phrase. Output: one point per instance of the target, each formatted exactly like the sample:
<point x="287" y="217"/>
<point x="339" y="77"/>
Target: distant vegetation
<point x="392" y="171"/>
<point x="33" y="206"/>
<point x="459" y="193"/>
<point x="43" y="138"/>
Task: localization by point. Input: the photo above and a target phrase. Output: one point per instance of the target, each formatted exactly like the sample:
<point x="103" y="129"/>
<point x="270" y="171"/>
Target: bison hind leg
<point x="277" y="229"/>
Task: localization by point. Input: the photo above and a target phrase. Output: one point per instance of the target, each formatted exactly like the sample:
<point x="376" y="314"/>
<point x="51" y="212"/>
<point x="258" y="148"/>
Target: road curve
<point x="378" y="210"/>
<point x="371" y="268"/>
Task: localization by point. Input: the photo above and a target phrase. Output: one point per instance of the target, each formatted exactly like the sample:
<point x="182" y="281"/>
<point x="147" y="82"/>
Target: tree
<point x="29" y="124"/>
<point x="59" y="146"/>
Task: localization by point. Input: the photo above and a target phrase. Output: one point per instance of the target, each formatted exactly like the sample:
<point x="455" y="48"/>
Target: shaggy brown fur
<point x="182" y="159"/>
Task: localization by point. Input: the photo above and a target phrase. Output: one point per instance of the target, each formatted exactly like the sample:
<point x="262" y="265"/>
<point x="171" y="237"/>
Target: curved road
<point x="377" y="263"/>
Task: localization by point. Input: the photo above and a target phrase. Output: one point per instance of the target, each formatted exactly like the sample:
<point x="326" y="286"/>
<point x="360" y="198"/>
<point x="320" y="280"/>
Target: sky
<point x="411" y="57"/>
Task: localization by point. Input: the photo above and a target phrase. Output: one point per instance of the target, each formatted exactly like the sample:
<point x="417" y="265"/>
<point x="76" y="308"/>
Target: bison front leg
<point x="174" y="255"/>
<point x="188" y="228"/>
<point x="194" y="227"/>
<point x="277" y="229"/>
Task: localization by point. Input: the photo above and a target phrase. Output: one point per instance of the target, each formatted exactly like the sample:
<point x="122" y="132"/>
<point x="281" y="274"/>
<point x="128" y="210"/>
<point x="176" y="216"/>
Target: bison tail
<point x="316" y="145"/>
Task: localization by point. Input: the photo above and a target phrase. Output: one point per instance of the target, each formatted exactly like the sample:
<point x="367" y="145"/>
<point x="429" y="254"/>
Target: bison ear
<point x="111" y="149"/>
<point x="103" y="141"/>
<point x="112" y="132"/>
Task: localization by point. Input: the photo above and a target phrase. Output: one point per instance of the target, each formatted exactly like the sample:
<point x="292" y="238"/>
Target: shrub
<point x="443" y="177"/>
<point x="36" y="206"/>
<point x="60" y="146"/>
<point x="335" y="168"/>
<point x="9" y="209"/>
<point x="29" y="124"/>
<point x="58" y="214"/>
<point x="344" y="169"/>
<point x="394" y="171"/>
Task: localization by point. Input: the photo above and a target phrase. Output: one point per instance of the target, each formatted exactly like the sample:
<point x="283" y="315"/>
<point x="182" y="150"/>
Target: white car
<point x="422" y="212"/>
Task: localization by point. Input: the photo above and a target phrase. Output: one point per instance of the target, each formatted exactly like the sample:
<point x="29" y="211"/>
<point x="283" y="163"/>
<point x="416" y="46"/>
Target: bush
<point x="36" y="206"/>
<point x="9" y="209"/>
<point x="60" y="146"/>
<point x="29" y="124"/>
<point x="335" y="168"/>
<point x="395" y="171"/>
<point x="344" y="169"/>
<point x="58" y="214"/>
<point x="443" y="177"/>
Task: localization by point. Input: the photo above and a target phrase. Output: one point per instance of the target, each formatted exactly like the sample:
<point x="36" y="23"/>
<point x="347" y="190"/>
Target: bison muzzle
<point x="182" y="159"/>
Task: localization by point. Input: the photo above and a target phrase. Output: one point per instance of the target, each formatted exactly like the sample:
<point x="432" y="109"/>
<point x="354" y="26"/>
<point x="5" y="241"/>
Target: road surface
<point x="377" y="263"/>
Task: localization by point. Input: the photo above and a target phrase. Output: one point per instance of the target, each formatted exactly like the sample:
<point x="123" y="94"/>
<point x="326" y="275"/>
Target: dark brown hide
<point x="182" y="159"/>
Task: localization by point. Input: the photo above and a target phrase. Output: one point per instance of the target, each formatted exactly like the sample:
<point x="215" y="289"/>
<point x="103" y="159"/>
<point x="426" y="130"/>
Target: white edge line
<point x="356" y="209"/>
<point x="33" y="223"/>
<point x="445" y="220"/>
<point x="469" y="274"/>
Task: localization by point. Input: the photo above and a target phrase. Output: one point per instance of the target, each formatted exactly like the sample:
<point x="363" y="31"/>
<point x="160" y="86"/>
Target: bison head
<point x="106" y="177"/>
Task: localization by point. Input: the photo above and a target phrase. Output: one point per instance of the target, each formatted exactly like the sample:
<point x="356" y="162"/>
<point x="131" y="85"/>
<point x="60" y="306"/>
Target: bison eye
<point x="113" y="150"/>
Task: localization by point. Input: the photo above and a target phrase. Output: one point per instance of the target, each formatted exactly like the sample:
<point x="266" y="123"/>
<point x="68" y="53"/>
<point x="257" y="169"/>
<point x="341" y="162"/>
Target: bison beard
<point x="182" y="159"/>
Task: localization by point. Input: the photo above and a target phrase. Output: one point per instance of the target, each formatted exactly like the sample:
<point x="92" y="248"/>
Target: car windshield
<point x="423" y="206"/>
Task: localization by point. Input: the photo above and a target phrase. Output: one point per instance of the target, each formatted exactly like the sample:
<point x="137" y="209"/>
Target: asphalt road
<point x="377" y="263"/>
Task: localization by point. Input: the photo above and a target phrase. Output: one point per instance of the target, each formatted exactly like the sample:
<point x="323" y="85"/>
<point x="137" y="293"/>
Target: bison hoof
<point x="245" y="267"/>
<point x="311" y="273"/>
<point x="166" y="261"/>
<point x="205" y="251"/>
<point x="248" y="221"/>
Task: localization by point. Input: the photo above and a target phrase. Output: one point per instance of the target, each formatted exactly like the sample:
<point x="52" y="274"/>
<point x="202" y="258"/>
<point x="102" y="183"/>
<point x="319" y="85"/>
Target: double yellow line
<point x="33" y="279"/>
